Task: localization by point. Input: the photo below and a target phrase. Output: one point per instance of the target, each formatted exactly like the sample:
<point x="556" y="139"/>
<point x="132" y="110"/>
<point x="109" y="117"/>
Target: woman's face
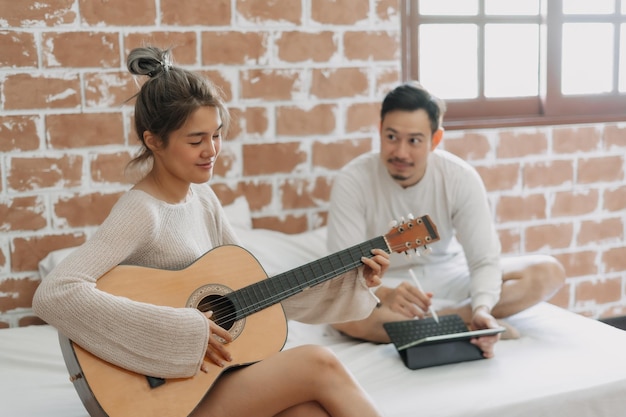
<point x="192" y="150"/>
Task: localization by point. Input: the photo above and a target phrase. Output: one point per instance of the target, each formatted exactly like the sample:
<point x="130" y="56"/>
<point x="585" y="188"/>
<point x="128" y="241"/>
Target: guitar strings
<point x="271" y="300"/>
<point x="223" y="304"/>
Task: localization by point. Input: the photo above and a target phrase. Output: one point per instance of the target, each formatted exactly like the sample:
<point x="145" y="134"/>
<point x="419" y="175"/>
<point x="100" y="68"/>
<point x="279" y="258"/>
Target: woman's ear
<point x="437" y="136"/>
<point x="151" y="140"/>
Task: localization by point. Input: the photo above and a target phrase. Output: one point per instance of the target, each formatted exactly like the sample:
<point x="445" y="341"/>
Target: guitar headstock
<point x="412" y="234"/>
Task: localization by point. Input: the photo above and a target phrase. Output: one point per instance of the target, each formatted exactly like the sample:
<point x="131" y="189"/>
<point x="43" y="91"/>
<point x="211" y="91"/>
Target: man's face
<point x="405" y="143"/>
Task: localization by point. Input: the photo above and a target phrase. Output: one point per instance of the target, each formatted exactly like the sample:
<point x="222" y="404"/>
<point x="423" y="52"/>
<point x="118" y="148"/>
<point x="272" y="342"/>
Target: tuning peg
<point x="393" y="223"/>
<point x="402" y="221"/>
<point x="427" y="250"/>
<point x="409" y="253"/>
<point x="411" y="220"/>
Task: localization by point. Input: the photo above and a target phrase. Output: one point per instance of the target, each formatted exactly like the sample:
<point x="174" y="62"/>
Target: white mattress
<point x="563" y="365"/>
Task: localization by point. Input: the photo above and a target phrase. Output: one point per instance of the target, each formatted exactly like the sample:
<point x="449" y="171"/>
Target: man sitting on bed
<point x="410" y="176"/>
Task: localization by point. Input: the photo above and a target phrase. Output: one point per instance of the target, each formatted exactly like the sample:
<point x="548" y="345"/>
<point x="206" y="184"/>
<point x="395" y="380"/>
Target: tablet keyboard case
<point x="439" y="353"/>
<point x="432" y="353"/>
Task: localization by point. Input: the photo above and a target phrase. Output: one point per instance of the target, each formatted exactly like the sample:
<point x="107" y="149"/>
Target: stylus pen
<point x="419" y="287"/>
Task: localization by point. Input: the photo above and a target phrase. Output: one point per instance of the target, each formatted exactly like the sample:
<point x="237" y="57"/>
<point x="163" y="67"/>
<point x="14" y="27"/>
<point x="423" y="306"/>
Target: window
<point x="519" y="62"/>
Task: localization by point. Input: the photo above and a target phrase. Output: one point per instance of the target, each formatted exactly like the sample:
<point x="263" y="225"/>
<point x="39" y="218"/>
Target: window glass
<point x="448" y="7"/>
<point x="587" y="63"/>
<point x="448" y="59"/>
<point x="512" y="7"/>
<point x="511" y="60"/>
<point x="503" y="62"/>
<point x="588" y="6"/>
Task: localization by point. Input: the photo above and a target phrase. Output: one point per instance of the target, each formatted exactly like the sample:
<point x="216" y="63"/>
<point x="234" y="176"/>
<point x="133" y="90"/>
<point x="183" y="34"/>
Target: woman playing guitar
<point x="168" y="220"/>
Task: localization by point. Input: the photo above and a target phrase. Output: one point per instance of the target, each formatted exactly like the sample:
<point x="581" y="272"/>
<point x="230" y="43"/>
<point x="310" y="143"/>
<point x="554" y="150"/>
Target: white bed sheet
<point x="563" y="365"/>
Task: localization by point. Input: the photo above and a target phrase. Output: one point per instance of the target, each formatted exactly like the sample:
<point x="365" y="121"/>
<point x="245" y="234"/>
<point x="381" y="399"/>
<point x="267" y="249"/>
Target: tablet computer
<point x="422" y="343"/>
<point x="467" y="335"/>
<point x="451" y="327"/>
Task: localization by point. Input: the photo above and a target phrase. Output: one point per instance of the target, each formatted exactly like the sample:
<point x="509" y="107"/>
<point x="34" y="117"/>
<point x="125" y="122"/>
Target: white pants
<point x="448" y="281"/>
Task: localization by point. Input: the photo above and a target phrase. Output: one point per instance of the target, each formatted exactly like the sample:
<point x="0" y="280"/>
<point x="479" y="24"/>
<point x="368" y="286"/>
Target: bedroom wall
<point x="303" y="79"/>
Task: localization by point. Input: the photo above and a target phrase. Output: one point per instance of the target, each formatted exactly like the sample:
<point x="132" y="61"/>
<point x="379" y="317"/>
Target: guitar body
<point x="109" y="391"/>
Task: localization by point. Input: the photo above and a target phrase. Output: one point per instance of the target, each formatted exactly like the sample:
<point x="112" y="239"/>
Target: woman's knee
<point x="317" y="355"/>
<point x="322" y="362"/>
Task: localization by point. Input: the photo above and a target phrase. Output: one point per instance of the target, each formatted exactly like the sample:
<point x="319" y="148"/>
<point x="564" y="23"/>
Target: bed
<point x="563" y="364"/>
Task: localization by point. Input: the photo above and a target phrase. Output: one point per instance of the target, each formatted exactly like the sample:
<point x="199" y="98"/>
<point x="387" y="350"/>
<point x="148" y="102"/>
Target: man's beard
<point x="399" y="177"/>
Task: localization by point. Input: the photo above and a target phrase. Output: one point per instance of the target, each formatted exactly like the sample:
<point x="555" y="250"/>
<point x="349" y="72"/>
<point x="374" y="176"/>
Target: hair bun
<point x="149" y="61"/>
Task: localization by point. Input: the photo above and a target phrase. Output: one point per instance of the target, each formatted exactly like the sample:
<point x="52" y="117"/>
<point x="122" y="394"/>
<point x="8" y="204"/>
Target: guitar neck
<point x="267" y="292"/>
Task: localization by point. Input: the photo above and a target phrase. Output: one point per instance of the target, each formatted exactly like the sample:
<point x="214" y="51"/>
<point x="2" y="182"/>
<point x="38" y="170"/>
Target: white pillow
<point x="238" y="213"/>
<point x="52" y="259"/>
<point x="279" y="252"/>
<point x="276" y="252"/>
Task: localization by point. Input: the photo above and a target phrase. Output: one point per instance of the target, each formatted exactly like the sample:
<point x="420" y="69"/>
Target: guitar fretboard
<point x="267" y="292"/>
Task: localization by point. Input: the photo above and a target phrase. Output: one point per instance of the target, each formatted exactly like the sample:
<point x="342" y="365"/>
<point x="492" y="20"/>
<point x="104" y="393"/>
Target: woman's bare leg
<point x="311" y="409"/>
<point x="306" y="380"/>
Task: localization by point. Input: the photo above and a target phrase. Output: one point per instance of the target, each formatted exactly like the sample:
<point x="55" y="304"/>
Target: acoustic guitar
<point x="229" y="281"/>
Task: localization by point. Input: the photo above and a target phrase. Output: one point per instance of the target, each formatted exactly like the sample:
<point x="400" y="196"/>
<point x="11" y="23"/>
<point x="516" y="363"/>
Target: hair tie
<point x="166" y="65"/>
<point x="162" y="66"/>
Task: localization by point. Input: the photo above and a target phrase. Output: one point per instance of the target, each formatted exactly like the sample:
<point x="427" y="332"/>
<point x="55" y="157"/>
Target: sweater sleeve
<point x="161" y="341"/>
<point x="481" y="245"/>
<point x="340" y="299"/>
<point x="347" y="220"/>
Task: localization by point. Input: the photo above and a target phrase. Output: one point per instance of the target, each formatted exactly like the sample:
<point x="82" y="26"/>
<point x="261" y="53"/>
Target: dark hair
<point x="411" y="96"/>
<point x="168" y="97"/>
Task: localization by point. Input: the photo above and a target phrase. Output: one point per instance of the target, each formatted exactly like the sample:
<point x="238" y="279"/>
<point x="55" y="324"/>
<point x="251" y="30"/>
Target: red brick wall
<point x="560" y="190"/>
<point x="303" y="80"/>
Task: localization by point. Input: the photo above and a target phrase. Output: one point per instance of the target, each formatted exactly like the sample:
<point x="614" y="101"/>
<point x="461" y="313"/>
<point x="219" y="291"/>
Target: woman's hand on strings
<point x="216" y="351"/>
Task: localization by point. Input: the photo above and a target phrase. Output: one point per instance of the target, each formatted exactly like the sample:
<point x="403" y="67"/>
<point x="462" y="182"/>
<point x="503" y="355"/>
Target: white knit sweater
<point x="365" y="198"/>
<point x="157" y="340"/>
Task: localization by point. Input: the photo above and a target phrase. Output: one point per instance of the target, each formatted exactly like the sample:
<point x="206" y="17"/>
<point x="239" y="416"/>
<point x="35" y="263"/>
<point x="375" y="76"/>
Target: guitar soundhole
<point x="223" y="310"/>
<point x="212" y="297"/>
